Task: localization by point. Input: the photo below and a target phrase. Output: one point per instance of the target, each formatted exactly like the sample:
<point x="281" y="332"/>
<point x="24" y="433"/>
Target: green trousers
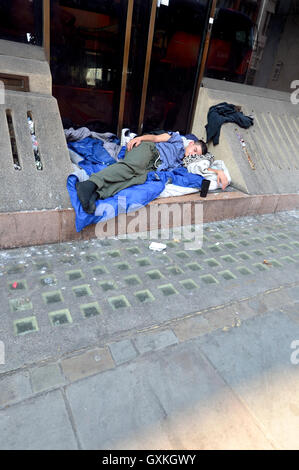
<point x="133" y="169"/>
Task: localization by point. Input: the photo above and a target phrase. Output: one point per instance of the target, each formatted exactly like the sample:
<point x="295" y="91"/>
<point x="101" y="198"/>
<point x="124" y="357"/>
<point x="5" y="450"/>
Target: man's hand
<point x="134" y="143"/>
<point x="222" y="179"/>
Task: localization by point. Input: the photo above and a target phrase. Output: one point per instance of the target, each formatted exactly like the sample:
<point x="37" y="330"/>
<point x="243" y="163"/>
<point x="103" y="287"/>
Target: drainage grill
<point x="35" y="146"/>
<point x="12" y="136"/>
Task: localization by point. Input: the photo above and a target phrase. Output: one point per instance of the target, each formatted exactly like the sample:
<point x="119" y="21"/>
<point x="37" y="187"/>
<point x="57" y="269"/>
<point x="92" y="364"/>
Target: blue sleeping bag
<point x="126" y="200"/>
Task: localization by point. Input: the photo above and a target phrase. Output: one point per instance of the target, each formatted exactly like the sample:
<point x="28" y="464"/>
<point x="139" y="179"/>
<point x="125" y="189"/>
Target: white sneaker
<point x="126" y="136"/>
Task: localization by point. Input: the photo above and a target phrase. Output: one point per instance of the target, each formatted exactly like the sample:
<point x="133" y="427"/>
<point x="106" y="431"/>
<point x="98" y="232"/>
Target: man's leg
<point x="132" y="170"/>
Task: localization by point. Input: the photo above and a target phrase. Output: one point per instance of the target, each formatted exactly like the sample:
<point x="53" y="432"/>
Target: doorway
<point x="91" y="81"/>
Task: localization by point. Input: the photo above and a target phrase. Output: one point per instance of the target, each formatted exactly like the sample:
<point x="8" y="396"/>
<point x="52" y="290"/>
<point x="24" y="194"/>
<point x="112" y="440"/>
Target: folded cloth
<point x="73" y="135"/>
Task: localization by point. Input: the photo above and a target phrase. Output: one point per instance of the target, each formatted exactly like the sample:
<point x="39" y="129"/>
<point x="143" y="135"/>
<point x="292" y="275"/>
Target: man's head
<point x="198" y="147"/>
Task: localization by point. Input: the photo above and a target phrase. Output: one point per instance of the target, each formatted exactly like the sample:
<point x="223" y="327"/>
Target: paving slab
<point x="171" y="399"/>
<point x="37" y="424"/>
<point x="255" y="361"/>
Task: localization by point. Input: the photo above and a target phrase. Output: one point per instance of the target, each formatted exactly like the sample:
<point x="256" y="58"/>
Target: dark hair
<point x="203" y="145"/>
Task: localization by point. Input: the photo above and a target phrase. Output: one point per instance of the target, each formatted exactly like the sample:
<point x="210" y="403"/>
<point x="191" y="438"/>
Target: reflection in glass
<point x="21" y="21"/>
<point x="87" y="41"/>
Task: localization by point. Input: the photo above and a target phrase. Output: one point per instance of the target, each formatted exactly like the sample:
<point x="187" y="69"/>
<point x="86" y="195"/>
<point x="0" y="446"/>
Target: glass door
<point x="177" y="39"/>
<point x="87" y="44"/>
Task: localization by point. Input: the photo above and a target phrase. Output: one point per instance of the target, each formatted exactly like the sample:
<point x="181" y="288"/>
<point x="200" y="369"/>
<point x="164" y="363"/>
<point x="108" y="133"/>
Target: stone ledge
<point x="19" y="229"/>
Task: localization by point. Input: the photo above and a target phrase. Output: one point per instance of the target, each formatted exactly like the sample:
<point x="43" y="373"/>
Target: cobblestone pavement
<point x="162" y="339"/>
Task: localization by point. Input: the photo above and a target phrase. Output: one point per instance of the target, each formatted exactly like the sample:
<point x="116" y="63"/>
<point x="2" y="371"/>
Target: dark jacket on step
<point x="221" y="113"/>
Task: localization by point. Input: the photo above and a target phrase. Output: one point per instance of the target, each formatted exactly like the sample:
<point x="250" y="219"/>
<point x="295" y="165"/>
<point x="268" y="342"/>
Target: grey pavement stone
<point x="87" y="363"/>
<point x="41" y="423"/>
<point x="14" y="388"/>
<point x="172" y="399"/>
<point x="255" y="360"/>
<point x="191" y="328"/>
<point x="45" y="377"/>
<point x="152" y="341"/>
<point x="122" y="351"/>
<point x="293" y="293"/>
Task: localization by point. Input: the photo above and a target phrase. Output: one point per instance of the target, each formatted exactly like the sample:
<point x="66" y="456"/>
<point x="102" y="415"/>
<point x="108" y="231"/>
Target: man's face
<point x="193" y="149"/>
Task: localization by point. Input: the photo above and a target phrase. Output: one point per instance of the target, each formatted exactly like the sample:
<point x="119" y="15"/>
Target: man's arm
<point x="221" y="177"/>
<point x="148" y="138"/>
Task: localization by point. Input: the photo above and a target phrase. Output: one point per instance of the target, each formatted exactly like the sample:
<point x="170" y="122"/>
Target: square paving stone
<point x="48" y="280"/>
<point x="25" y="325"/>
<point x="114" y="253"/>
<point x="122" y="351"/>
<point x="91" y="257"/>
<point x="167" y="289"/>
<point x="171" y="244"/>
<point x="52" y="297"/>
<point x="228" y="259"/>
<point x="153" y="341"/>
<point x="143" y="262"/>
<point x="45" y="377"/>
<point x="75" y="274"/>
<point x="182" y="255"/>
<point x="284" y="247"/>
<point x="155" y="274"/>
<point x="244" y="242"/>
<point x="90" y="310"/>
<point x="244" y="271"/>
<point x="287" y="259"/>
<point x="230" y="245"/>
<point x="227" y="275"/>
<point x="120" y="301"/>
<point x="209" y="279"/>
<point x="244" y="255"/>
<point x="133" y="280"/>
<point x="215" y="248"/>
<point x="212" y="262"/>
<point x="18" y="285"/>
<point x="144" y="296"/>
<point x="282" y="236"/>
<point x="60" y="317"/>
<point x="175" y="270"/>
<point x="275" y="263"/>
<point x="18" y="305"/>
<point x="99" y="270"/>
<point x="270" y="238"/>
<point x="134" y="250"/>
<point x="164" y="259"/>
<point x="193" y="266"/>
<point x="260" y="266"/>
<point x="70" y="259"/>
<point x="107" y="285"/>
<point x="122" y="266"/>
<point x="15" y="269"/>
<point x="189" y="284"/>
<point x="258" y="253"/>
<point x="82" y="291"/>
<point x="257" y="240"/>
<point x="199" y="252"/>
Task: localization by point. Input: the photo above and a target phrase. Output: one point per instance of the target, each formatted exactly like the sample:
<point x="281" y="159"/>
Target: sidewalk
<point x="109" y="345"/>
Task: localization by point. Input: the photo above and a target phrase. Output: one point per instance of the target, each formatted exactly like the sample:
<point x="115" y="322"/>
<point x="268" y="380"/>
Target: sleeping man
<point x="144" y="154"/>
